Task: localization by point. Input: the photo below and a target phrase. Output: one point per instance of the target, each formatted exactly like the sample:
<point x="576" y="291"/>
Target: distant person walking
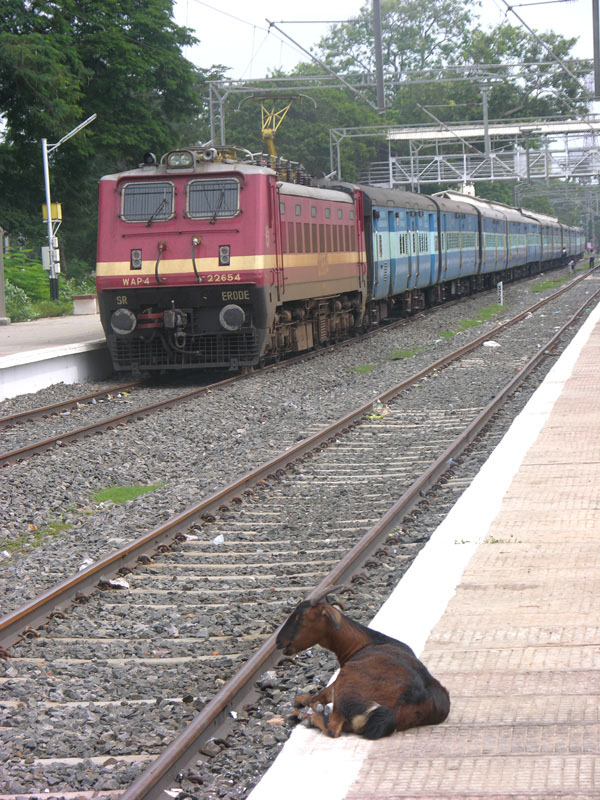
<point x="592" y="258"/>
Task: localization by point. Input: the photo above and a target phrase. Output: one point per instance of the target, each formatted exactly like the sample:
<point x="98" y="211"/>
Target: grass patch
<point x="397" y="355"/>
<point x="121" y="494"/>
<point x="487" y="313"/>
<point x="34" y="537"/>
<point x="362" y="369"/>
<point x="484" y="316"/>
<point x="543" y="286"/>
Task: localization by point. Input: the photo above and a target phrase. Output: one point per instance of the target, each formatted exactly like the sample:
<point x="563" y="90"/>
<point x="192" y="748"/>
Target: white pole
<point x="53" y="286"/>
<point x="45" y="151"/>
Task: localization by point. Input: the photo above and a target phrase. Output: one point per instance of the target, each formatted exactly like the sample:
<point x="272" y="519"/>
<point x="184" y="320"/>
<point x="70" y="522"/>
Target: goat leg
<point x="324" y="696"/>
<point x="314" y="719"/>
<point x="329" y="724"/>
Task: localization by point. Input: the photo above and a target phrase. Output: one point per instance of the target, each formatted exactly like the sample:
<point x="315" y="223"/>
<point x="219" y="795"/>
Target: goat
<point x="381" y="687"/>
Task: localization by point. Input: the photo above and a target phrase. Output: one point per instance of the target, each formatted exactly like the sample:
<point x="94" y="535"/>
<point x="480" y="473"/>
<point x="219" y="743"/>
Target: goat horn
<point x="316" y="599"/>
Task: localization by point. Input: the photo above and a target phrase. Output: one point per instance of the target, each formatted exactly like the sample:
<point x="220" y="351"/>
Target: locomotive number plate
<point x="222" y="277"/>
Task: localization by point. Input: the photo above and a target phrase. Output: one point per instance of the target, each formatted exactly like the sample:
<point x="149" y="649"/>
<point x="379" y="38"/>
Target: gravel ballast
<point x="193" y="449"/>
<point x="48" y="509"/>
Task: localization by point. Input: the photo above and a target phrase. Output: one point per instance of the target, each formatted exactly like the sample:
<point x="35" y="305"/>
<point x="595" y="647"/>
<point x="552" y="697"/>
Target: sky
<point x="236" y="33"/>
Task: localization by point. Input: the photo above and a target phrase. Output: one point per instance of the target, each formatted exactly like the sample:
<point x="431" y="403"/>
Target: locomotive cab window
<point x="147" y="202"/>
<point x="213" y="198"/>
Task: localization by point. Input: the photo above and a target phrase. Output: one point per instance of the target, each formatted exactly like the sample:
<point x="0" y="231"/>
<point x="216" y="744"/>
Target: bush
<point x="18" y="307"/>
<point x="79" y="270"/>
<point x="26" y="273"/>
<point x="66" y="289"/>
<point x="27" y="289"/>
<point x="52" y="308"/>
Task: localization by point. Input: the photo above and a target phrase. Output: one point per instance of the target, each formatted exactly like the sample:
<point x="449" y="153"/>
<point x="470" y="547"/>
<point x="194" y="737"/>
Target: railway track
<point x="24" y="449"/>
<point x="233" y="567"/>
<point x="69" y="404"/>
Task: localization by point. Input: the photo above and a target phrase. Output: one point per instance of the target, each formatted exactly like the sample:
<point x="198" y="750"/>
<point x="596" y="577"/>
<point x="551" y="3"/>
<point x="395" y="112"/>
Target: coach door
<point x="381" y="254"/>
<point x="415" y="257"/>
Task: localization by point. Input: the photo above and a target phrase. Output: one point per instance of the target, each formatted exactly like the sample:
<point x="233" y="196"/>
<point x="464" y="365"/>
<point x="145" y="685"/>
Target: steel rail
<point x="179" y="754"/>
<point x="120" y="419"/>
<point x="63" y="405"/>
<point x="35" y="611"/>
<point x="35" y="448"/>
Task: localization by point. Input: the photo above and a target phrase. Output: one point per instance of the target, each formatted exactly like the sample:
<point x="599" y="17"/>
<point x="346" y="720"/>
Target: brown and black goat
<point x="381" y="687"/>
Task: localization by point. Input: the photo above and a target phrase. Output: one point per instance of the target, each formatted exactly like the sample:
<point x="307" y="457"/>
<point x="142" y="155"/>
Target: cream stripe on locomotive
<point x="240" y="263"/>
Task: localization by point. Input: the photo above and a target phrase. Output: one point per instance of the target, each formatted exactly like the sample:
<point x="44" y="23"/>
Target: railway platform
<point x="36" y="354"/>
<point x="503" y="607"/>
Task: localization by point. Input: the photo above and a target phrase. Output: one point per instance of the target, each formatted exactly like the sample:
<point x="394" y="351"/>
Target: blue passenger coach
<point x="419" y="247"/>
<point x="424" y="249"/>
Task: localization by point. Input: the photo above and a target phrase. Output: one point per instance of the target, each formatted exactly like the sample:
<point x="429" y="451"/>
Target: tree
<point x="415" y="34"/>
<point x="61" y="61"/>
<point x="540" y="86"/>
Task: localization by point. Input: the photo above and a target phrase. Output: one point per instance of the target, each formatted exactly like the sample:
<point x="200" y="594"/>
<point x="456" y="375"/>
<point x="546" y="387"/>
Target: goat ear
<point x="334" y="616"/>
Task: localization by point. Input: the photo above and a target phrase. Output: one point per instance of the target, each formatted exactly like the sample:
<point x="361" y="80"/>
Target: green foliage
<point x="27" y="288"/>
<point x="415" y="34"/>
<point x="363" y="369"/>
<point x="121" y="494"/>
<point x="66" y="289"/>
<point x="543" y="286"/>
<point x="34" y="537"/>
<point x="27" y="273"/>
<point x="18" y="307"/>
<point x="59" y="63"/>
<point x="483" y="316"/>
<point x="79" y="270"/>
<point x="398" y="354"/>
<point x="51" y="308"/>
<point x="542" y="87"/>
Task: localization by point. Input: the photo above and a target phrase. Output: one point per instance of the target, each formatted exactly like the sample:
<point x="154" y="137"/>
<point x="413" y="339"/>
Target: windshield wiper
<point x="219" y="204"/>
<point x="156" y="212"/>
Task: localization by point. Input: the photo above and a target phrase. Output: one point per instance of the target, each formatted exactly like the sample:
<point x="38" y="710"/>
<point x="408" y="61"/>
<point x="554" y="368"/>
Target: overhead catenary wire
<point x="545" y="45"/>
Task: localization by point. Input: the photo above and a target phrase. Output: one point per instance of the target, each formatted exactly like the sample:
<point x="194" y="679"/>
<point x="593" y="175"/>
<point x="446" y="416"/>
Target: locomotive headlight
<point x="224" y="255"/>
<point x="123" y="321"/>
<point x="180" y="159"/>
<point x="232" y="317"/>
<point x="135" y="261"/>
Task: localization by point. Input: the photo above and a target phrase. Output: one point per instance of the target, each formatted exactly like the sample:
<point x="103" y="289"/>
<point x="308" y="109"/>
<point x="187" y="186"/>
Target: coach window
<point x="147" y="202"/>
<point x="298" y="210"/>
<point x="340" y="214"/>
<point x="313" y="211"/>
<point x="327" y="213"/>
<point x="282" y="208"/>
<point x="213" y="198"/>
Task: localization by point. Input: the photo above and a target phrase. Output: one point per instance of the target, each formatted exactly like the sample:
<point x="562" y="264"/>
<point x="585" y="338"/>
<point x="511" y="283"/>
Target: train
<point x="213" y="257"/>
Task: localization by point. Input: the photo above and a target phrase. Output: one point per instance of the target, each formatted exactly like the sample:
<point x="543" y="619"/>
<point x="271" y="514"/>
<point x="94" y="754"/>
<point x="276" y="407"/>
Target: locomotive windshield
<point x="147" y="202"/>
<point x="213" y="198"/>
